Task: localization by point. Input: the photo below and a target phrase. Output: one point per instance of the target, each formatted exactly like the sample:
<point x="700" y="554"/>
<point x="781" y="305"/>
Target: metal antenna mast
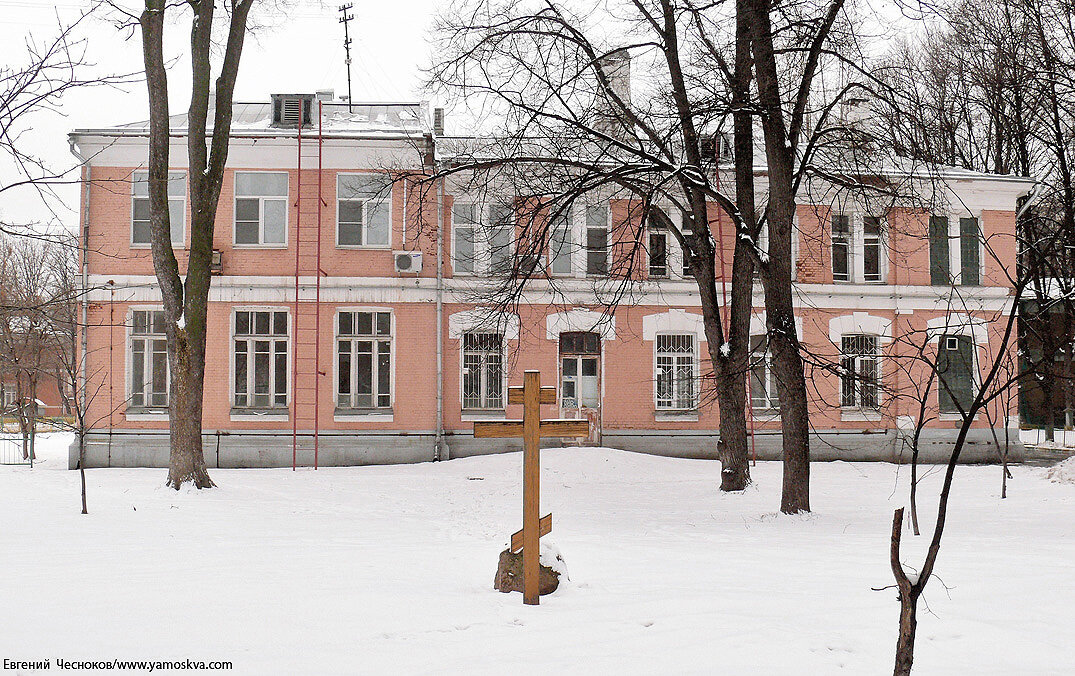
<point x="345" y="19"/>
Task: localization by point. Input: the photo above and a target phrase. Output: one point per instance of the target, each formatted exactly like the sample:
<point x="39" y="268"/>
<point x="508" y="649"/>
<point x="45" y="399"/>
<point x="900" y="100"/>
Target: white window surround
<point x="758" y="326"/>
<point x="373" y="414"/>
<point x="177" y="201"/>
<point x="860" y="323"/>
<point x="146" y="412"/>
<point x="491" y="412"/>
<point x="958" y="325"/>
<point x="380" y="200"/>
<point x="576" y="241"/>
<point x="856" y="254"/>
<point x="955" y="242"/>
<point x="673" y="321"/>
<point x="580" y="319"/>
<point x="763" y="246"/>
<point x="482" y="232"/>
<point x="251" y="413"/>
<point x="479" y="320"/>
<point x="262" y="199"/>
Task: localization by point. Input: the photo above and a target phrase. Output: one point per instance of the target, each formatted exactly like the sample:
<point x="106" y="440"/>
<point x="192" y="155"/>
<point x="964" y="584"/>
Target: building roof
<point x="377" y="119"/>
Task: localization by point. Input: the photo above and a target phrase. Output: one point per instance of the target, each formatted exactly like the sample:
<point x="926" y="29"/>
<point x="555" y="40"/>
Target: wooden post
<point x="531" y="485"/>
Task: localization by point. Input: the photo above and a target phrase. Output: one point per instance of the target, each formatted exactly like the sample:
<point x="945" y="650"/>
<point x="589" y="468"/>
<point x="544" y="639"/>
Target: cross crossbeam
<point x="531" y="428"/>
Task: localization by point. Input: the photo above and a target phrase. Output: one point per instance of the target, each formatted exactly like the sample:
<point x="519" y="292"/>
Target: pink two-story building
<point x="387" y="356"/>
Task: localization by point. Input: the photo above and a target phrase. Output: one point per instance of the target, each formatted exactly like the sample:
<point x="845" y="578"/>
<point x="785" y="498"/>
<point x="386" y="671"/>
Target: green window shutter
<point x="955" y="369"/>
<point x="939" y="273"/>
<point x="970" y="261"/>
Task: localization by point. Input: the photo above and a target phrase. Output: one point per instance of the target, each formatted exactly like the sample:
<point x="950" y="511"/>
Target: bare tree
<point x="186" y="295"/>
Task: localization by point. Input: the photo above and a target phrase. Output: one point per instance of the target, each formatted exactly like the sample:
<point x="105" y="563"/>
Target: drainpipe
<point x="440" y="450"/>
<point x="82" y="386"/>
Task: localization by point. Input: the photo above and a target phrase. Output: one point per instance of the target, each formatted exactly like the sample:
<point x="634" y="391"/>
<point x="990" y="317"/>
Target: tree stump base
<point x="509" y="572"/>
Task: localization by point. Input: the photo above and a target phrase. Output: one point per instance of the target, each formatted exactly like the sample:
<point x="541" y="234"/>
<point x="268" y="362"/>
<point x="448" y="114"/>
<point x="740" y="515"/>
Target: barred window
<point x="860" y="371"/>
<point x="261" y="359"/>
<point x="364" y="360"/>
<point x="149" y="359"/>
<point x="483" y="376"/>
<point x="676" y="371"/>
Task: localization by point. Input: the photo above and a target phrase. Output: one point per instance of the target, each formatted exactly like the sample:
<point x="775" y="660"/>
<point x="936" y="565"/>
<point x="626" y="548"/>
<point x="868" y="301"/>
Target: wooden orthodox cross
<point x="531" y="428"/>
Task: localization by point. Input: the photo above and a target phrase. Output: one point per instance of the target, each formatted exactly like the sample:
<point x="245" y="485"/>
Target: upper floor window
<point x="676" y="371"/>
<point x="860" y="371"/>
<point x="561" y="245"/>
<point x="597" y="240"/>
<point x="363" y="208"/>
<point x="857" y="249"/>
<point x="260" y="207"/>
<point x="482" y="238"/>
<point x="261" y="359"/>
<point x="149" y="359"/>
<point x="483" y="373"/>
<point x="364" y="360"/>
<point x="177" y="207"/>
<point x="658" y="253"/>
<point x="958" y="263"/>
<point x="955" y="369"/>
<point x="763" y="393"/>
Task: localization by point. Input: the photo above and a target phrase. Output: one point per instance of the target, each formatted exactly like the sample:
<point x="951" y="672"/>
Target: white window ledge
<point x="676" y="415"/>
<point x="146" y="414"/>
<point x="765" y="414"/>
<point x="363" y="415"/>
<point x="859" y="415"/>
<point x="953" y="417"/>
<point x="238" y="415"/>
<point x="477" y="416"/>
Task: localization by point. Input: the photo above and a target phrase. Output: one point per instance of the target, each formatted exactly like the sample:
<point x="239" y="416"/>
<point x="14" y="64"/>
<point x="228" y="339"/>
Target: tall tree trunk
<point x="187" y="462"/>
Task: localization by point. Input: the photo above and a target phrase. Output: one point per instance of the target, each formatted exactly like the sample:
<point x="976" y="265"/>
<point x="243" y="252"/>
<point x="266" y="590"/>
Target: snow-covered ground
<point x="390" y="569"/>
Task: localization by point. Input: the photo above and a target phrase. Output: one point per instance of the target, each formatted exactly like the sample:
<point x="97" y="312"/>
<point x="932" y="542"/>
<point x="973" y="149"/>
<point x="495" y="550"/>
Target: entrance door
<point x="580" y="379"/>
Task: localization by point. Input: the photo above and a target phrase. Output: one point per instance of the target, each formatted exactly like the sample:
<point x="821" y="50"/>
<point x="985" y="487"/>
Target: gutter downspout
<point x="440" y="450"/>
<point x="86" y="177"/>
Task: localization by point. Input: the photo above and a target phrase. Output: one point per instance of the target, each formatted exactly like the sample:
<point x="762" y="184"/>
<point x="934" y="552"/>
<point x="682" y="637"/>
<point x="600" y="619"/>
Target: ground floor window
<point x="676" y="371"/>
<point x="149" y="359"/>
<point x="955" y="371"/>
<point x="364" y="360"/>
<point x="483" y="375"/>
<point x="860" y="371"/>
<point x="762" y="379"/>
<point x="260" y="350"/>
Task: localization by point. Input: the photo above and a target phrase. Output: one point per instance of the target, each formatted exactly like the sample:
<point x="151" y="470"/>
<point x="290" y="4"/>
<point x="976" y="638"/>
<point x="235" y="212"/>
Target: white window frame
<point x="392" y="359"/>
<point x="482" y="262"/>
<point x="772" y="399"/>
<point x="955" y="247"/>
<point x="585" y="240"/>
<point x="654" y="231"/>
<point x="131" y="337"/>
<point x="571" y="243"/>
<point x="695" y="378"/>
<point x="503" y="371"/>
<point x="140" y="176"/>
<point x="385" y="200"/>
<point x="878" y="357"/>
<point x="260" y="244"/>
<point x="273" y="408"/>
<point x="857" y="249"/>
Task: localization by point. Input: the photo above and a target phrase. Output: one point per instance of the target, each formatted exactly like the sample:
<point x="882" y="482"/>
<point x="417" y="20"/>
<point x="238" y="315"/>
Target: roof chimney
<point x="326" y="95"/>
<point x="617" y="67"/>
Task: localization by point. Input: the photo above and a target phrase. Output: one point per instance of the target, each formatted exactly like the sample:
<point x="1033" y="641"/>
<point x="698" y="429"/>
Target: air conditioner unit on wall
<point x="408" y="261"/>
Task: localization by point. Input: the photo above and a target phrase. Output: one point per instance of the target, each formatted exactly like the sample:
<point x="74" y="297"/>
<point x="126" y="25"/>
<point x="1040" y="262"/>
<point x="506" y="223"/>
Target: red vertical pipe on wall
<point x="317" y="288"/>
<point x="295" y="318"/>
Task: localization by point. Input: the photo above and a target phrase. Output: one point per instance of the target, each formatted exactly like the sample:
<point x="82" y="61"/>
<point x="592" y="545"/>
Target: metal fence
<point x="13" y="450"/>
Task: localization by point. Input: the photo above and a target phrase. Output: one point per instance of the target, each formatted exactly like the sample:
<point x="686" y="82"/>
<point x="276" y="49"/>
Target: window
<point x="676" y="371"/>
<point x="363" y="210"/>
<point x="965" y="257"/>
<point x="763" y="393"/>
<point x="841" y="248"/>
<point x="364" y="360"/>
<point x="177" y="206"/>
<point x="858" y="253"/>
<point x="261" y="358"/>
<point x="597" y="240"/>
<point x="860" y="371"/>
<point x="149" y="360"/>
<point x="260" y="207"/>
<point x="482" y="245"/>
<point x="483" y="375"/>
<point x="658" y="254"/>
<point x="955" y="369"/>
<point x="561" y="244"/>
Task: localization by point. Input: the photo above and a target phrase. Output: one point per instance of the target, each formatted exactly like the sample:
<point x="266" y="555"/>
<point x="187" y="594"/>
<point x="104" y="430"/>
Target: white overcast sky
<point x="300" y="50"/>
